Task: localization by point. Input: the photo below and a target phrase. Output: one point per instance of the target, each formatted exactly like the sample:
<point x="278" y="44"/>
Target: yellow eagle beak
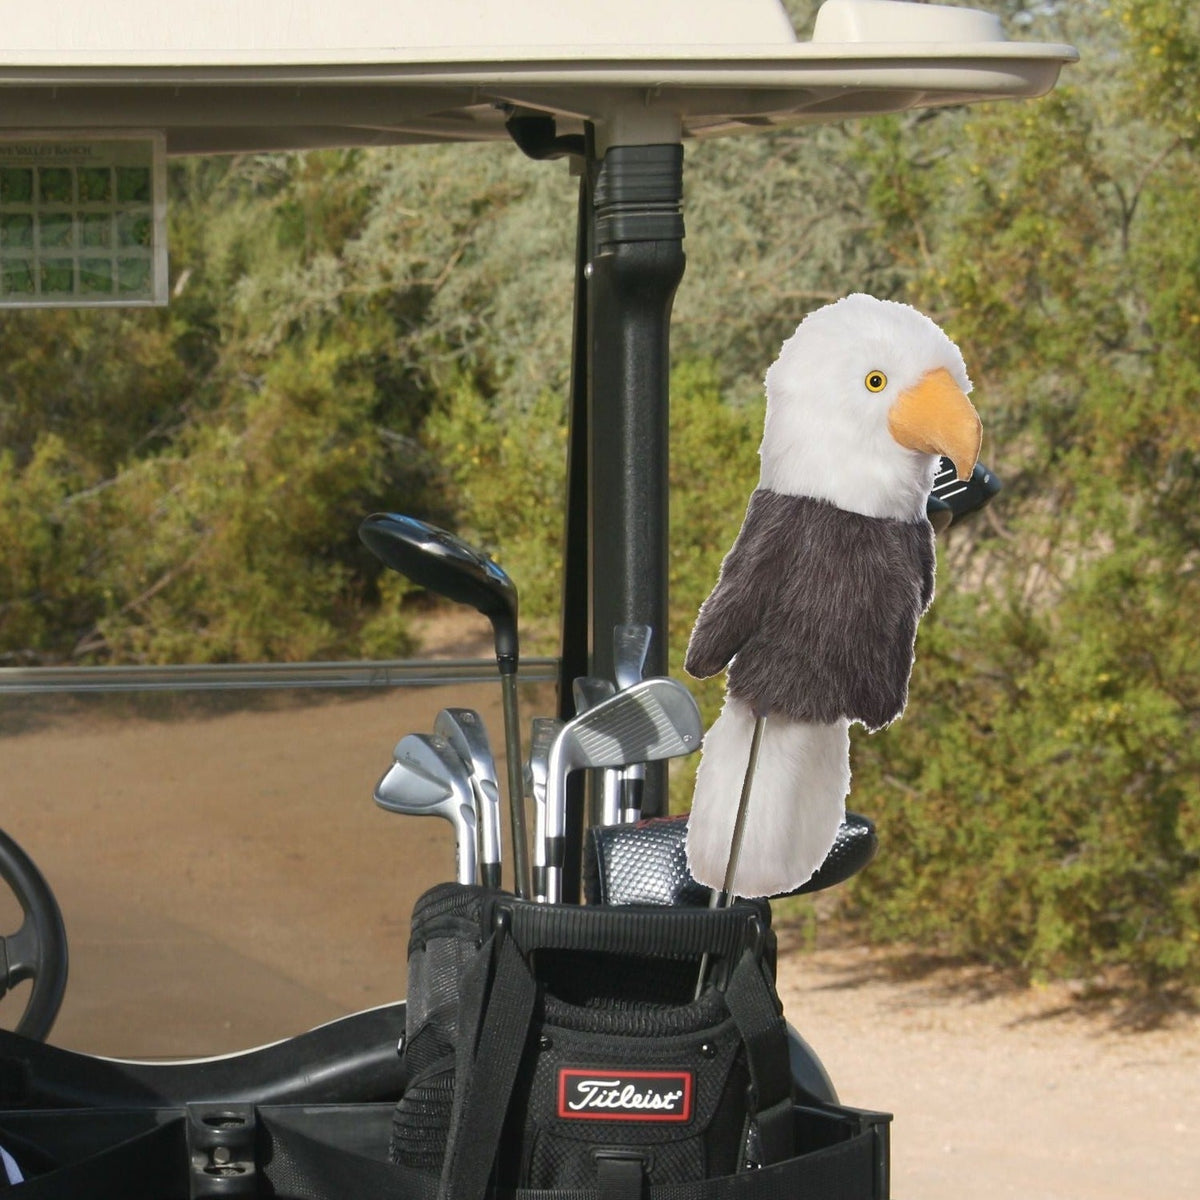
<point x="935" y="417"/>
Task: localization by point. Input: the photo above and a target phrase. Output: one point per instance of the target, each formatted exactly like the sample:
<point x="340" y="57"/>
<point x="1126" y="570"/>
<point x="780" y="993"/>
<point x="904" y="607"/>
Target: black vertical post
<point x="575" y="659"/>
<point x="576" y="595"/>
<point x="637" y="265"/>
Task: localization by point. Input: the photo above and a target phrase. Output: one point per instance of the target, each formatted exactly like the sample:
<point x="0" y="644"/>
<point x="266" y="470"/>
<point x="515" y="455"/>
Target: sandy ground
<point x="226" y="881"/>
<point x="1000" y="1092"/>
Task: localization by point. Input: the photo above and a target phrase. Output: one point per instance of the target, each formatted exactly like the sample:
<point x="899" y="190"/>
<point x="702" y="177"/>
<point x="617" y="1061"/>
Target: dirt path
<point x="227" y="881"/>
<point x="1001" y="1093"/>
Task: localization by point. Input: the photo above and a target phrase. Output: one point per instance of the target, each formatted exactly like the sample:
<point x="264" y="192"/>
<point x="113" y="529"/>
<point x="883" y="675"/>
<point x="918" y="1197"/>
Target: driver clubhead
<point x="422" y="761"/>
<point x="464" y="729"/>
<point x="442" y="562"/>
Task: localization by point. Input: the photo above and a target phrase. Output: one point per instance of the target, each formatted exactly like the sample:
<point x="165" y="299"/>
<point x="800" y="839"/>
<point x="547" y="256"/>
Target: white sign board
<point x="82" y="220"/>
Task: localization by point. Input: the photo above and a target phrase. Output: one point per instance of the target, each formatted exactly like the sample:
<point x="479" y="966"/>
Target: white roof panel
<point x="226" y="75"/>
<point x="366" y="30"/>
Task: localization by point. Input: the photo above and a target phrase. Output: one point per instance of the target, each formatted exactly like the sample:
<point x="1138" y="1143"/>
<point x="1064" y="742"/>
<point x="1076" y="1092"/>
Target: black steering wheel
<point x="38" y="950"/>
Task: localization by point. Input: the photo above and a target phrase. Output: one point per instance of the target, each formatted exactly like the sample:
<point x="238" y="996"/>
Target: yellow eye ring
<point x="875" y="381"/>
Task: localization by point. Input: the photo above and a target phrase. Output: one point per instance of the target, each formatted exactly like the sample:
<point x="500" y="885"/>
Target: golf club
<point x="445" y="564"/>
<point x="722" y="898"/>
<point x="652" y="720"/>
<point x="588" y="691"/>
<point x="630" y="645"/>
<point x="543" y="731"/>
<point x="952" y="498"/>
<point x="427" y="779"/>
<point x="463" y="728"/>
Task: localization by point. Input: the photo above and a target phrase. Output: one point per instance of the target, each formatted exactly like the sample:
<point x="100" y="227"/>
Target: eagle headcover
<point x="815" y="612"/>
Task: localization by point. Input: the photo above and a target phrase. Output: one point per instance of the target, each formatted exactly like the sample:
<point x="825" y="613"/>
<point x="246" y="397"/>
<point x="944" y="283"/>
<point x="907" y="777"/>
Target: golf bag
<point x="564" y="1050"/>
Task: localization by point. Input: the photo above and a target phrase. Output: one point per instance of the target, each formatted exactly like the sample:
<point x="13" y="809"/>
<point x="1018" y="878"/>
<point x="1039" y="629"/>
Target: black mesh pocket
<point x="445" y="937"/>
<point x="421" y="1122"/>
<point x="665" y="1085"/>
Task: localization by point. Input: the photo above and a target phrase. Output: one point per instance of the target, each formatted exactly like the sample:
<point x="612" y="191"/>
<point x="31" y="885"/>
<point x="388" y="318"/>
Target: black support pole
<point x="575" y="657"/>
<point x="637" y="265"/>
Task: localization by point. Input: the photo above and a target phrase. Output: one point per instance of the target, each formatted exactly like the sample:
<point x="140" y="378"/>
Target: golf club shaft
<point x="542" y="733"/>
<point x="588" y="691"/>
<point x="516" y="789"/>
<point x="633" y="779"/>
<point x="610" y="796"/>
<point x="721" y="899"/>
<point x="489" y="868"/>
<point x="463" y="728"/>
<point x="465" y="860"/>
<point x="631" y="643"/>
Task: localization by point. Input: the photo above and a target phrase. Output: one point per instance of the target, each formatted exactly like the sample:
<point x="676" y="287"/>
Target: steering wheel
<point x="38" y="950"/>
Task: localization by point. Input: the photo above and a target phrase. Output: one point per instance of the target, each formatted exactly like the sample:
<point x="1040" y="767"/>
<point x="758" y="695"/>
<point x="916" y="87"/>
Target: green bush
<point x="1039" y="803"/>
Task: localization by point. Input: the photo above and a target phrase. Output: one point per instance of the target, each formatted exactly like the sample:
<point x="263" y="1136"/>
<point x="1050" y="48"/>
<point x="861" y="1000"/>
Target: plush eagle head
<point x="862" y="401"/>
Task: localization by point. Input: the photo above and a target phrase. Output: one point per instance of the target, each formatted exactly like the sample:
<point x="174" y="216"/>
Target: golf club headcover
<point x="646" y="863"/>
<point x="815" y="612"/>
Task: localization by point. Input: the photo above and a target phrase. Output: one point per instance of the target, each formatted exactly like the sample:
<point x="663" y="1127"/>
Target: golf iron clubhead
<point x="543" y="731"/>
<point x="631" y="643"/>
<point x="652" y="720"/>
<point x="463" y="728"/>
<point x="630" y="646"/>
<point x="422" y="761"/>
<point x="588" y="691"/>
<point x="445" y="564"/>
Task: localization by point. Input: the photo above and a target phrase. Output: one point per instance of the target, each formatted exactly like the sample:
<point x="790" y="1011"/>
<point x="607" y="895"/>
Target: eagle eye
<point x="876" y="381"/>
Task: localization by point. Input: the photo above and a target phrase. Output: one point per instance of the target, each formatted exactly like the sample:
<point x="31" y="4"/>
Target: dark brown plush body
<point x="818" y="609"/>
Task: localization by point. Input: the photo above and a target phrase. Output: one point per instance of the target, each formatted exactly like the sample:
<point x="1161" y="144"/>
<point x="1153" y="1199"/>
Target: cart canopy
<point x="226" y="75"/>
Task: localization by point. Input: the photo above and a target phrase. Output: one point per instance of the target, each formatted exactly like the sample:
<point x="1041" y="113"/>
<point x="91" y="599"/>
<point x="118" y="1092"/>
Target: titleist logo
<point x="624" y="1095"/>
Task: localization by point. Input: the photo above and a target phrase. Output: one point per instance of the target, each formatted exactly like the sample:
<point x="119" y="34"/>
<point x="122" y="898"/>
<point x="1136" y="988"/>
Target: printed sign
<point x="598" y="1095"/>
<point x="82" y="220"/>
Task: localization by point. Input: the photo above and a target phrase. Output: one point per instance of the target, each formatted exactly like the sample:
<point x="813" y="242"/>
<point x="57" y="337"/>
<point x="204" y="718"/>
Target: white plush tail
<point x="797" y="801"/>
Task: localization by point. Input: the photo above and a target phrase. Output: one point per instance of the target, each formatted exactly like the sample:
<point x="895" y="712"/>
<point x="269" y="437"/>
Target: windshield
<point x="225" y="878"/>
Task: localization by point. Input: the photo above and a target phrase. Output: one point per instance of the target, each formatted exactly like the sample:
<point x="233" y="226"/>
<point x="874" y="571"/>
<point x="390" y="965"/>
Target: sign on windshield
<point x="82" y="221"/>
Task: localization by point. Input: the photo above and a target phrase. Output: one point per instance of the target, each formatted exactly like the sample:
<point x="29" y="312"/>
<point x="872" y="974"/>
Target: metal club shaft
<point x="721" y="899"/>
<point x="516" y="787"/>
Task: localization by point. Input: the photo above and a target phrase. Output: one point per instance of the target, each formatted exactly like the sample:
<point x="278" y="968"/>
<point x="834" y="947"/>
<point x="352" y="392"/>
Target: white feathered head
<point x="862" y="401"/>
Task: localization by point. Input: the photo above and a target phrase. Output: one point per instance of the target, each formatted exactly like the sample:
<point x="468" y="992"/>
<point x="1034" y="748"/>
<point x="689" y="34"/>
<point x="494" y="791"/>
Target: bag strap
<point x="755" y="1008"/>
<point x="495" y="1015"/>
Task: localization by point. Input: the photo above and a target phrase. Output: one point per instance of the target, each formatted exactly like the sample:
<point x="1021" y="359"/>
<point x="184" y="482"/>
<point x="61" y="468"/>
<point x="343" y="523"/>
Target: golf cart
<point x="615" y="91"/>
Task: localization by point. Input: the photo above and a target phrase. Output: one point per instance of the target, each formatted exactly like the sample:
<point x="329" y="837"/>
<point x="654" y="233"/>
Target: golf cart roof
<point x="227" y="75"/>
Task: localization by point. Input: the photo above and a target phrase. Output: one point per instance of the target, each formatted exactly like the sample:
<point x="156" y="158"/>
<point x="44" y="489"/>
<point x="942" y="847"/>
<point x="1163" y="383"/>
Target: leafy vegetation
<point x="1040" y="803"/>
<point x="352" y="331"/>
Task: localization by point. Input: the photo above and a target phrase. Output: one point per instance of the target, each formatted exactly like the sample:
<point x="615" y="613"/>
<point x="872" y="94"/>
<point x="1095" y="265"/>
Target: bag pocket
<point x="421" y="1120"/>
<point x="664" y="1087"/>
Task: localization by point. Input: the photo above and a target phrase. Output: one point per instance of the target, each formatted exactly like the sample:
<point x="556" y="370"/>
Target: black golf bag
<point x="567" y="1051"/>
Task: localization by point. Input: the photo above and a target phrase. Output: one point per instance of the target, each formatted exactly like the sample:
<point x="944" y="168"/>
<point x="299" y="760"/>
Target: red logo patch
<point x="599" y="1095"/>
